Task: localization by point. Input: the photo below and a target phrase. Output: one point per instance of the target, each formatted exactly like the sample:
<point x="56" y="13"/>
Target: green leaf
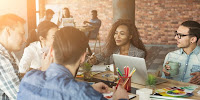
<point x="87" y="67"/>
<point x="151" y="80"/>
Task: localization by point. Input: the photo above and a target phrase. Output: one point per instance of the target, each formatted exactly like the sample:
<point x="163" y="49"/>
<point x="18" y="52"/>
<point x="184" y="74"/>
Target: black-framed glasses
<point x="179" y="35"/>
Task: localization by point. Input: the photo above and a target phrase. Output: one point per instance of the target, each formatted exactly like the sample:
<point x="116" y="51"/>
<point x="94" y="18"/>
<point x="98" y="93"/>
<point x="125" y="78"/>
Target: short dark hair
<point x="69" y="44"/>
<point x="194" y="28"/>
<point x="44" y="27"/>
<point x="10" y="20"/>
<point x="49" y="11"/>
<point x="65" y="8"/>
<point x="94" y="11"/>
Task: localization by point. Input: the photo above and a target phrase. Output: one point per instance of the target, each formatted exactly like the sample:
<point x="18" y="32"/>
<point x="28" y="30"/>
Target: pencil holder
<point x="125" y="81"/>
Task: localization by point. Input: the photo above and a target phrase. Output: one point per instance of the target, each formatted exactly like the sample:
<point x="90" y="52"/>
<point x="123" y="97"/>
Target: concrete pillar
<point x="124" y="9"/>
<point x="42" y="8"/>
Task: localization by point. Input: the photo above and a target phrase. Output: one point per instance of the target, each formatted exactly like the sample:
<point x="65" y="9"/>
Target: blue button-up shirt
<point x="97" y="24"/>
<point x="188" y="63"/>
<point x="56" y="83"/>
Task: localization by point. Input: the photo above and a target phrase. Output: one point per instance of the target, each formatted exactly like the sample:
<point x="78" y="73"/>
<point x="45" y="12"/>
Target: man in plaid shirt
<point x="11" y="38"/>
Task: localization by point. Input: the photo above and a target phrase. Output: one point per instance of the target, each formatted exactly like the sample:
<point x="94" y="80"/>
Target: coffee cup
<point x="174" y="68"/>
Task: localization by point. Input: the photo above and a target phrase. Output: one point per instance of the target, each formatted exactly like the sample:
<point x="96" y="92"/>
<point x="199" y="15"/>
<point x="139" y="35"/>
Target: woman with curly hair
<point x="122" y="39"/>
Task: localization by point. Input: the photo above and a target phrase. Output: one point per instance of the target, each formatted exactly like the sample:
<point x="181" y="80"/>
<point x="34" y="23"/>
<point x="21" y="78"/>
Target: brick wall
<point x="156" y="19"/>
<point x="81" y="11"/>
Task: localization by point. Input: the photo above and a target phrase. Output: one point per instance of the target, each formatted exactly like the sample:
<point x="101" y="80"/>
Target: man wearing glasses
<point x="188" y="56"/>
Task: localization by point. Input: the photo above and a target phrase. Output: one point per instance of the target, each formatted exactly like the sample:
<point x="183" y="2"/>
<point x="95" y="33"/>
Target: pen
<point x="118" y="83"/>
<point x="119" y="71"/>
<point x="90" y="57"/>
<point x="132" y="97"/>
<point x="128" y="71"/>
<point x="132" y="72"/>
<point x="125" y="70"/>
<point x="93" y="54"/>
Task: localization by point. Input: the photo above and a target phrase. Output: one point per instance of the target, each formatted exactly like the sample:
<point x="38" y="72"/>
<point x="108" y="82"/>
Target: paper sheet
<point x="109" y="95"/>
<point x="98" y="68"/>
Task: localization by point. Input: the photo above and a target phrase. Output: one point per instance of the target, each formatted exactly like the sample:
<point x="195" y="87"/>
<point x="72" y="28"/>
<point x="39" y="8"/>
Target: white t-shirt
<point x="31" y="57"/>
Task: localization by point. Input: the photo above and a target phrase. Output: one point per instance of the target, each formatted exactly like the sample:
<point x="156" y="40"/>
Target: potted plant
<point x="87" y="70"/>
<point x="151" y="82"/>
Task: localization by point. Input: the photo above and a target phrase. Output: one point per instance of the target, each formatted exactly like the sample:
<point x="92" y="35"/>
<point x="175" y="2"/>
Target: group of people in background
<point x="50" y="63"/>
<point x="65" y="13"/>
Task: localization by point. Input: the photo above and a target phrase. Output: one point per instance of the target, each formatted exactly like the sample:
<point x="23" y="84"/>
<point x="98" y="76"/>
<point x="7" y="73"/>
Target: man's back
<point x="57" y="83"/>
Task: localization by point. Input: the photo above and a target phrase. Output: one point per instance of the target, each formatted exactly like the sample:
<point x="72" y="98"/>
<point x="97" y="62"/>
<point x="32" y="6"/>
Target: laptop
<point x="140" y="74"/>
<point x="68" y="22"/>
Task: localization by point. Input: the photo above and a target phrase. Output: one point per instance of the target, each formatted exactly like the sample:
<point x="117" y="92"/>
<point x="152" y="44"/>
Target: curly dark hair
<point x="110" y="44"/>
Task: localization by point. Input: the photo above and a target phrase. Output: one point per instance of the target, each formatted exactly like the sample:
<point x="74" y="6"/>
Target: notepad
<point x="109" y="96"/>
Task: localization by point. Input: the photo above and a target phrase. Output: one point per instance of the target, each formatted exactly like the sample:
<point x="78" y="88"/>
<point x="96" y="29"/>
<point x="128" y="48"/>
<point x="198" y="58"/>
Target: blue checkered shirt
<point x="9" y="80"/>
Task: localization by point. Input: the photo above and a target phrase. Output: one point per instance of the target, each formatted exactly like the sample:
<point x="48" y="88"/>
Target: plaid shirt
<point x="9" y="80"/>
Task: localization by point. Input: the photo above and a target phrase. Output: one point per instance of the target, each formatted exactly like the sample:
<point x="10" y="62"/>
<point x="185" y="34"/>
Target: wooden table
<point x="169" y="83"/>
<point x="85" y="28"/>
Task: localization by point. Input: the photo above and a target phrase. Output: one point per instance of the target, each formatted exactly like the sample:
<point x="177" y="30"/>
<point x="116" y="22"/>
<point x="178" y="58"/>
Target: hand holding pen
<point x="120" y="93"/>
<point x="92" y="59"/>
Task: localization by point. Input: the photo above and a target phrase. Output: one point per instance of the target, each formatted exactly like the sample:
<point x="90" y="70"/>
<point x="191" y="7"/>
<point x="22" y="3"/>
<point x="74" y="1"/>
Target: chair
<point x="95" y="45"/>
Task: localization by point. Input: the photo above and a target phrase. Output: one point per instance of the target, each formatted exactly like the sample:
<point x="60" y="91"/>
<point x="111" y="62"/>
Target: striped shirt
<point x="9" y="80"/>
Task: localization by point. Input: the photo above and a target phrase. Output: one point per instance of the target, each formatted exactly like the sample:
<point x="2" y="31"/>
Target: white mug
<point x="111" y="67"/>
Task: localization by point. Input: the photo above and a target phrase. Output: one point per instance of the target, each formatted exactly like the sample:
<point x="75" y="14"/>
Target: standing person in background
<point x="122" y="39"/>
<point x="68" y="52"/>
<point x="188" y="56"/>
<point x="32" y="56"/>
<point x="94" y="22"/>
<point x="48" y="15"/>
<point x="12" y="36"/>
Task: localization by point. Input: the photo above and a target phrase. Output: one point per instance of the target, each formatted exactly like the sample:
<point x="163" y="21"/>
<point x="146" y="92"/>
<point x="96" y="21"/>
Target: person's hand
<point x="101" y="87"/>
<point x="168" y="68"/>
<point x="92" y="60"/>
<point x="196" y="78"/>
<point x="120" y="93"/>
<point x="85" y="22"/>
<point x="47" y="59"/>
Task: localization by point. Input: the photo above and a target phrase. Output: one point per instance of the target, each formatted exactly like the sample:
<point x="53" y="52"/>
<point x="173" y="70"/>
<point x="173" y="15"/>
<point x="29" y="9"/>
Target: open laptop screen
<point x="68" y="21"/>
<point x="140" y="74"/>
